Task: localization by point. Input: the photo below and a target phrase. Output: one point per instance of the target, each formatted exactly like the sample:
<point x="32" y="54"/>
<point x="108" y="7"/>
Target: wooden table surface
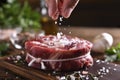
<point x="90" y="33"/>
<point x="84" y="32"/>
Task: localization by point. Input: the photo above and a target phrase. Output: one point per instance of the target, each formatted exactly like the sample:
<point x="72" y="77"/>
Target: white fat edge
<point x="35" y="42"/>
<point x="38" y="43"/>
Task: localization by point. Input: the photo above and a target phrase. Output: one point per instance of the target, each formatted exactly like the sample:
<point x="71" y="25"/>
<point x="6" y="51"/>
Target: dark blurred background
<point x="93" y="13"/>
<point x="104" y="13"/>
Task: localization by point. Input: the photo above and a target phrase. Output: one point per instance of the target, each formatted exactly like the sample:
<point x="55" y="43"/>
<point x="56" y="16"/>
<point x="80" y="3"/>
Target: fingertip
<point x="66" y="13"/>
<point x="55" y="16"/>
<point x="67" y="7"/>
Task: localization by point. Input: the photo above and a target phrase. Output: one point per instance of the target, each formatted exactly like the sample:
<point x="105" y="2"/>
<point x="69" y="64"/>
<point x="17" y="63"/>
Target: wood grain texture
<point x="27" y="73"/>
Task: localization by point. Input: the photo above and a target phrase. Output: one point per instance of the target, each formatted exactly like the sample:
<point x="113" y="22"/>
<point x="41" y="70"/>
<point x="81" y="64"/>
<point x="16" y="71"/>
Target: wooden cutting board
<point x="102" y="70"/>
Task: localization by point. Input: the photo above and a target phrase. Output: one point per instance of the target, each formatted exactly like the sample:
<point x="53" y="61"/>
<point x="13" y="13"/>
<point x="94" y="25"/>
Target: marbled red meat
<point x="60" y="52"/>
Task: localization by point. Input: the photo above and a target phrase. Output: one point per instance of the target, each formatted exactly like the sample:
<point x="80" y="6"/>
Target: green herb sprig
<point x="3" y="48"/>
<point x="13" y="14"/>
<point x="113" y="54"/>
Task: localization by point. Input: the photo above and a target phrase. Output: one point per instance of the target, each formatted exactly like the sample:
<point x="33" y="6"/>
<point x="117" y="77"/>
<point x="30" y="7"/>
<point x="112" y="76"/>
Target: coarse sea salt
<point x="18" y="57"/>
<point x="115" y="65"/>
<point x="114" y="69"/>
<point x="97" y="61"/>
<point x="109" y="67"/>
<point x="107" y="70"/>
<point x="103" y="71"/>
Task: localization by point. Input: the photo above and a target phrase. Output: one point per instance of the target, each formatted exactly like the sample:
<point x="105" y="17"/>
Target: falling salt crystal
<point x="6" y="73"/>
<point x="61" y="19"/>
<point x="70" y="32"/>
<point x="55" y="22"/>
<point x="59" y="23"/>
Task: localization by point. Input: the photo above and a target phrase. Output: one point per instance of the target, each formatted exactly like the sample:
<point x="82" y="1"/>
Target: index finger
<point x="67" y="7"/>
<point x="52" y="8"/>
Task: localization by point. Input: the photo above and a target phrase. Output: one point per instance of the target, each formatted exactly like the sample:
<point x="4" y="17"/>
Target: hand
<point x="61" y="7"/>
